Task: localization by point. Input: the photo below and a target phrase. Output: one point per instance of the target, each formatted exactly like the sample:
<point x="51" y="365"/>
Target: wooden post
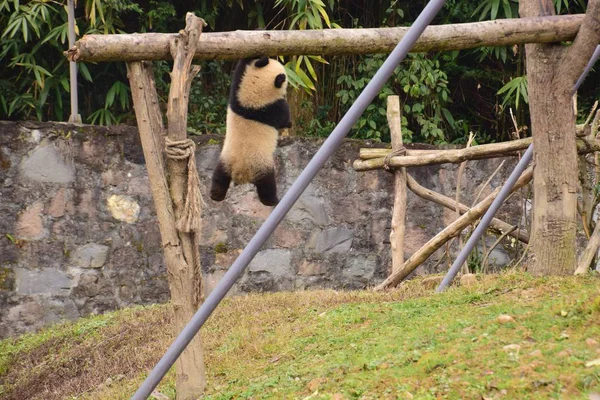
<point x="187" y="296"/>
<point x="399" y="210"/>
<point x="180" y="248"/>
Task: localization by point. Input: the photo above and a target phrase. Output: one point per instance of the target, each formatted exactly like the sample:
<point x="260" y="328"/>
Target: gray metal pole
<point x="74" y="117"/>
<point x="489" y="215"/>
<point x="289" y="199"/>
<point x="587" y="69"/>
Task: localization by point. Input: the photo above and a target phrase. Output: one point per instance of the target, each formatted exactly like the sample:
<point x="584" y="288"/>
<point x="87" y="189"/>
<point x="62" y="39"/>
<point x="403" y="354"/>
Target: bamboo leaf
<point x="310" y="68"/>
<point x="495" y="7"/>
<point x="305" y="79"/>
<point x="325" y="16"/>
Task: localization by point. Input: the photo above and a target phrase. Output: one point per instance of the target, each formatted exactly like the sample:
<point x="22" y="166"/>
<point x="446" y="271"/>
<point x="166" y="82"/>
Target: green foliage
<point x="34" y="81"/>
<point x="208" y="99"/>
<point x="305" y="14"/>
<point x="516" y="90"/>
<point x="424" y="89"/>
<point x="495" y="8"/>
<point x="161" y="16"/>
<point x="34" y="78"/>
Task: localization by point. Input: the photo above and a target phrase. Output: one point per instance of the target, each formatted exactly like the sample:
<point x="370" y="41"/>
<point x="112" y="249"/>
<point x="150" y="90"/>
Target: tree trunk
<point x="552" y="70"/>
<point x="240" y="44"/>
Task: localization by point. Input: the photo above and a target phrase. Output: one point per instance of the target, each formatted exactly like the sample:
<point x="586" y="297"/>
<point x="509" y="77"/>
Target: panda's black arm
<point x="281" y="109"/>
<point x="276" y="114"/>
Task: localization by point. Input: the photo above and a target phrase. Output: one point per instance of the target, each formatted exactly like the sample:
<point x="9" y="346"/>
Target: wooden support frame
<point x="449" y="232"/>
<point x="180" y="248"/>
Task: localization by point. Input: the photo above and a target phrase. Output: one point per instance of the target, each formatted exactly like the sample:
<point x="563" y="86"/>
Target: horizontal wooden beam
<point x="483" y="151"/>
<point x="240" y="44"/>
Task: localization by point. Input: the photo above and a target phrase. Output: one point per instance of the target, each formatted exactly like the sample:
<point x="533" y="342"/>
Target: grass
<point x="406" y="343"/>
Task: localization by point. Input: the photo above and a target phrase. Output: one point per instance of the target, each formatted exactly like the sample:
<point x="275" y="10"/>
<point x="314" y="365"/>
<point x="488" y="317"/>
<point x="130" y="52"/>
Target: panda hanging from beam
<point x="257" y="110"/>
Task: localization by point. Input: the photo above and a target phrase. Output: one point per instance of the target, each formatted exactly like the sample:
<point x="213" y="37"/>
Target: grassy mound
<point x="407" y="343"/>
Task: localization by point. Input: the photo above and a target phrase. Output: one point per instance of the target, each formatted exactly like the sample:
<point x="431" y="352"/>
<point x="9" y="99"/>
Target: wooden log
<point x="190" y="377"/>
<point x="483" y="151"/>
<point x="367" y="153"/>
<point x="586" y="258"/>
<point x="428" y="194"/>
<point x="449" y="232"/>
<point x="240" y="44"/>
<point x="447" y="156"/>
<point x="399" y="209"/>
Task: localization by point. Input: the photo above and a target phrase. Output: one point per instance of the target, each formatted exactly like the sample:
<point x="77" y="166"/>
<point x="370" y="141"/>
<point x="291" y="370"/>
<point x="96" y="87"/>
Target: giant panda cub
<point x="257" y="110"/>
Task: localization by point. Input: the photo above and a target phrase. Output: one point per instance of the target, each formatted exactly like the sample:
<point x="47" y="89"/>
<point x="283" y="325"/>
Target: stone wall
<point x="79" y="233"/>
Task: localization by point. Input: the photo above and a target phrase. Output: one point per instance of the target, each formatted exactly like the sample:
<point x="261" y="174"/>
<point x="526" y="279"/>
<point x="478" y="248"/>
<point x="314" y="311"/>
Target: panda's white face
<point x="264" y="82"/>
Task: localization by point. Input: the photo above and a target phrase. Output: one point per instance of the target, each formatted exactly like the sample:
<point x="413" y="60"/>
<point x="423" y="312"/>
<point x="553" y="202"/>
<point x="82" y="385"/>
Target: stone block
<point x="45" y="164"/>
<point x="30" y="225"/>
<point x="287" y="237"/>
<point x="123" y="208"/>
<point x="332" y="240"/>
<point x="310" y="268"/>
<point x="309" y="208"/>
<point x="360" y="268"/>
<point x="58" y="203"/>
<point x="91" y="255"/>
<point x="275" y="262"/>
<point x="45" y="281"/>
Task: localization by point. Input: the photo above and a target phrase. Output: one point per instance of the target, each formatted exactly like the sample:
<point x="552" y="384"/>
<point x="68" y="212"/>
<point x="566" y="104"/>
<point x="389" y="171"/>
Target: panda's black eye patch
<point x="279" y="79"/>
<point x="262" y="62"/>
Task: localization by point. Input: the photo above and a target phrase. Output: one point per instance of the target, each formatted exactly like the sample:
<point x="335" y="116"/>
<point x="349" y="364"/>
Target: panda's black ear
<point x="262" y="62"/>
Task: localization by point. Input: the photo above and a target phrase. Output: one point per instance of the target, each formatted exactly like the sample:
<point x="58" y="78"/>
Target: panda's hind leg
<point x="266" y="187"/>
<point x="220" y="182"/>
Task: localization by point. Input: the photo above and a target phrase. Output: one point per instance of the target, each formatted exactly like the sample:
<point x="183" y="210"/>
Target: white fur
<point x="248" y="148"/>
<point x="257" y="88"/>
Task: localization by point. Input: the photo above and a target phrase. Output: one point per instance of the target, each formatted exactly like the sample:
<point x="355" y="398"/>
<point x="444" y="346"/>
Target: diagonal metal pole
<point x="504" y="192"/>
<point x="289" y="199"/>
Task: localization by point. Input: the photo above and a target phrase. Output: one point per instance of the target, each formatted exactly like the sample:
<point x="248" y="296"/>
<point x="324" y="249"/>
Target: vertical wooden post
<point x="180" y="248"/>
<point x="186" y="294"/>
<point x="399" y="210"/>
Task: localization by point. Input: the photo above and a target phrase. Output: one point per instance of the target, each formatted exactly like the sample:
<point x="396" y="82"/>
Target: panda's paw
<point x="215" y="197"/>
<point x="218" y="193"/>
<point x="270" y="202"/>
